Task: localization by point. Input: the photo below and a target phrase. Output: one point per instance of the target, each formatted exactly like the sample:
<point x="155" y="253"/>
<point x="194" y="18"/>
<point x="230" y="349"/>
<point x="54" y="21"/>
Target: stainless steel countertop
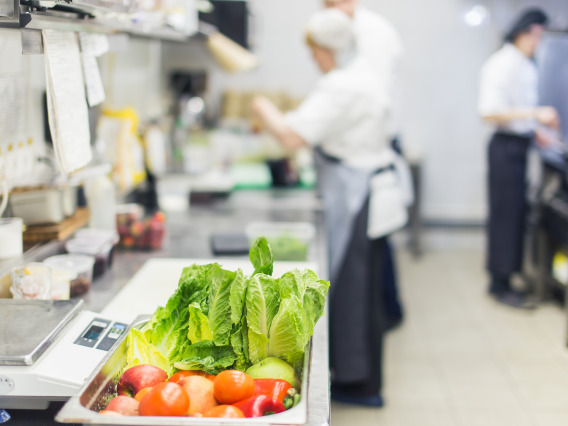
<point x="188" y="234"/>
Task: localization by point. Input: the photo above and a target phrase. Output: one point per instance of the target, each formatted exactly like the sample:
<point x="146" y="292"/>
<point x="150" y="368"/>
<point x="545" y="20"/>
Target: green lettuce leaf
<point x="198" y="329"/>
<point x="261" y="257"/>
<point x="219" y="305"/>
<point x="168" y="328"/>
<point x="262" y="301"/>
<point x="288" y="333"/>
<point x="139" y="351"/>
<point x="206" y="356"/>
<point x="238" y="296"/>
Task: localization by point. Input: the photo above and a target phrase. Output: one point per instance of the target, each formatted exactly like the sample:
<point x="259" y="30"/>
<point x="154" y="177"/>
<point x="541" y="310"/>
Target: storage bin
<point x="288" y="240"/>
<point x="81" y="264"/>
<point x="98" y="243"/>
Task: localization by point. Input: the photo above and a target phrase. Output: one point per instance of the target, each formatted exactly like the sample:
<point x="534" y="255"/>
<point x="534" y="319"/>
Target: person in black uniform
<point x="509" y="100"/>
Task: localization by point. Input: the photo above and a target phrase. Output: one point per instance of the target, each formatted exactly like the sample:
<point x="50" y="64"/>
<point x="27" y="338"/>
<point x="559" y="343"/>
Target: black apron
<point x="355" y="305"/>
<point x="507" y="203"/>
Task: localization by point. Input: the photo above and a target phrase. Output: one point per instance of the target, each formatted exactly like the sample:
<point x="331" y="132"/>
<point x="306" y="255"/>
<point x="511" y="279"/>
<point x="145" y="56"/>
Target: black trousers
<point x="356" y="313"/>
<point x="507" y="203"/>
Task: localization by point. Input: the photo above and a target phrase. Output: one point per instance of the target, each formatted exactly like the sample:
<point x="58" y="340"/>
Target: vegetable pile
<point x="219" y="323"/>
<point x="144" y="391"/>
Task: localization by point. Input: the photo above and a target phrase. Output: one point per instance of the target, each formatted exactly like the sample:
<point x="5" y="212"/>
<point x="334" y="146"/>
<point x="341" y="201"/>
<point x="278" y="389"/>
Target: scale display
<point x="94" y="335"/>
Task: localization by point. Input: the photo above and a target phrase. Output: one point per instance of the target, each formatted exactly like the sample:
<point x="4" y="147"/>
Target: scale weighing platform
<point x="48" y="348"/>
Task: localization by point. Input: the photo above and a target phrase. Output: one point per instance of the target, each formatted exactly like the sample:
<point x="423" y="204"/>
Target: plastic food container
<point x="288" y="240"/>
<point x="138" y="232"/>
<point x="31" y="281"/>
<point x="98" y="243"/>
<point x="80" y="264"/>
<point x="61" y="283"/>
<point x="43" y="206"/>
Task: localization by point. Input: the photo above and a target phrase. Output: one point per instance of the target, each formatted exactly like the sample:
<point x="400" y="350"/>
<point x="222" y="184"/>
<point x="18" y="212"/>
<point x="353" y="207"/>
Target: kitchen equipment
<point x="43" y="205"/>
<point x="48" y="348"/>
<point x="11" y="229"/>
<point x="230" y="244"/>
<point x="81" y="265"/>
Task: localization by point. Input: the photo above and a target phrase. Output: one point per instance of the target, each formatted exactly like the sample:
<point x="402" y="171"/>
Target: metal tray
<point x="96" y="392"/>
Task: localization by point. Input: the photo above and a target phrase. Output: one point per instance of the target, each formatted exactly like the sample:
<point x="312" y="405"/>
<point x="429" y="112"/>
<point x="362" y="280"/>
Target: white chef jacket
<point x="378" y="41"/>
<point x="509" y="80"/>
<point x="345" y="115"/>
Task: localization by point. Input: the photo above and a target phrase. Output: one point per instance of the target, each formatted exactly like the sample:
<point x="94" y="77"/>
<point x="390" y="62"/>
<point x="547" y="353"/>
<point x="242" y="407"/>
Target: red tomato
<point x="165" y="399"/>
<point x="231" y="386"/>
<point x="177" y="377"/>
<point x="227" y="411"/>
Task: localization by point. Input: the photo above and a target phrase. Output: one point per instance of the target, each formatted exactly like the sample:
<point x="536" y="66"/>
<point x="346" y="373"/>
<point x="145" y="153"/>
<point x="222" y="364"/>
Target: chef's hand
<point x="545" y="138"/>
<point x="548" y="116"/>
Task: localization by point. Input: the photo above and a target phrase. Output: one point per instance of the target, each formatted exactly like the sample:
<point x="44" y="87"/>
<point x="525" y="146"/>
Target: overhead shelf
<point x="83" y="21"/>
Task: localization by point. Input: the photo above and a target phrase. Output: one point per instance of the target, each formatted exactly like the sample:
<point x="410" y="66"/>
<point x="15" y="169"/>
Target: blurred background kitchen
<point x="173" y="153"/>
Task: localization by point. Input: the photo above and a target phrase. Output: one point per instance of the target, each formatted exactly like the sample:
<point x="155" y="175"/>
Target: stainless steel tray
<point x="98" y="388"/>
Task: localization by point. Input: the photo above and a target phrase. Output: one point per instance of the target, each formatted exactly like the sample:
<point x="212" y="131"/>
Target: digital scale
<point x="48" y="348"/>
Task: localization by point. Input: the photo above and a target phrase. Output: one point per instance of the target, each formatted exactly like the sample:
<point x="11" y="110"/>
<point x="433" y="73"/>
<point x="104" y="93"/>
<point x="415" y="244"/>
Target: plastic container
<point x="38" y="206"/>
<point x="31" y="281"/>
<point x="81" y="264"/>
<point x="98" y="243"/>
<point x="61" y="283"/>
<point x="139" y="233"/>
<point x="288" y="240"/>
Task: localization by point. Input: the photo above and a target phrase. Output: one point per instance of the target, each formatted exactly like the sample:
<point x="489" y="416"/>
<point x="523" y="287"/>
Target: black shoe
<point x="515" y="299"/>
<point x="374" y="400"/>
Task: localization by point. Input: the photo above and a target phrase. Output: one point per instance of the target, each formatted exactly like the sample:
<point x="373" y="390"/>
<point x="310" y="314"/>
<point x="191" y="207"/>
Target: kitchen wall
<point x="443" y="58"/>
<point x="131" y="73"/>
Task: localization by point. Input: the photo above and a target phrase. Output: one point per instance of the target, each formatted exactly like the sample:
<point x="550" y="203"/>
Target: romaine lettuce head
<point x="207" y="356"/>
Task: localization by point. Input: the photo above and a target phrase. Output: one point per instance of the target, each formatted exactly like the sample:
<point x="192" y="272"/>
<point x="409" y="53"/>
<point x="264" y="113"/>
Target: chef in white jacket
<point x="379" y="42"/>
<point x="344" y="120"/>
<point x="508" y="99"/>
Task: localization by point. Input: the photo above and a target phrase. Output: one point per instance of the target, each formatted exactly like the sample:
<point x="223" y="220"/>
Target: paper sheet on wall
<point x="12" y="107"/>
<point x="92" y="46"/>
<point x="67" y="106"/>
<point x="93" y="80"/>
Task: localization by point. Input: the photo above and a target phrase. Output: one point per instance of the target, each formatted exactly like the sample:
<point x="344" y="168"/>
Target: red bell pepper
<point x="260" y="405"/>
<point x="277" y="389"/>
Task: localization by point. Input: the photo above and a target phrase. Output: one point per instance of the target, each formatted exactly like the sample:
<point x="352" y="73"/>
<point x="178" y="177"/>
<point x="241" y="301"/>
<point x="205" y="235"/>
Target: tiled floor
<point x="461" y="359"/>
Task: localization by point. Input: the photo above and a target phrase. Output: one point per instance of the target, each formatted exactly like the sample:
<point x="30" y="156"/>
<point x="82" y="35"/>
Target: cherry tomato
<point x="142" y="393"/>
<point x="227" y="411"/>
<point x="165" y="399"/>
<point x="177" y="377"/>
<point x="231" y="386"/>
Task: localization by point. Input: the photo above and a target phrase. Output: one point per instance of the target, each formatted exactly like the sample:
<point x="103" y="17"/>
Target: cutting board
<point x="158" y="279"/>
<point x="42" y="233"/>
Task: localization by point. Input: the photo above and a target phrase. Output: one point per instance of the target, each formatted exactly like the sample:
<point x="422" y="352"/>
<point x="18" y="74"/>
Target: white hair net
<point x="332" y="29"/>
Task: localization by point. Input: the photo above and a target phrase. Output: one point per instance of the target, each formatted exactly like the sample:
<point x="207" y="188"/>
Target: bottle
<point x="101" y="200"/>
